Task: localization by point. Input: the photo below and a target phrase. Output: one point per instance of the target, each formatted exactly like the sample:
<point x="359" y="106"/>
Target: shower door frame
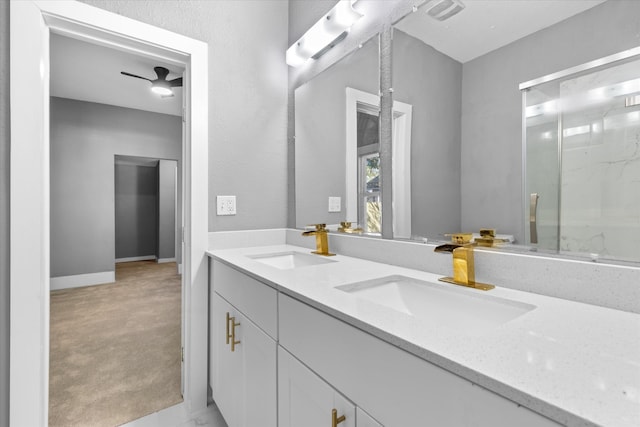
<point x="524" y="88"/>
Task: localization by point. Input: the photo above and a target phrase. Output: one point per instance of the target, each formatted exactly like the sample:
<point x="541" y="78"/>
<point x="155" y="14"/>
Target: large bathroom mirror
<point x="337" y="143"/>
<point x="459" y="65"/>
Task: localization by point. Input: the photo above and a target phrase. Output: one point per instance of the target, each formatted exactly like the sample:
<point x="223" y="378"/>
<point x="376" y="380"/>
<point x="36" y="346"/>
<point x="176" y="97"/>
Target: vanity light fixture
<point x="324" y="34"/>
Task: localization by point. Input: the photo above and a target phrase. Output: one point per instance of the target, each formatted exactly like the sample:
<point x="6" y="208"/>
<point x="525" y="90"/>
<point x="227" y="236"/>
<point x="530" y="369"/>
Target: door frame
<point x="31" y="22"/>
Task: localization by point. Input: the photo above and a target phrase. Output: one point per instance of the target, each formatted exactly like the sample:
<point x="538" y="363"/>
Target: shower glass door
<point x="582" y="140"/>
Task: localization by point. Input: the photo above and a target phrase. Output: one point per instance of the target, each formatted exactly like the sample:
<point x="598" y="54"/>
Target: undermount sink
<point x="462" y="308"/>
<point x="290" y="260"/>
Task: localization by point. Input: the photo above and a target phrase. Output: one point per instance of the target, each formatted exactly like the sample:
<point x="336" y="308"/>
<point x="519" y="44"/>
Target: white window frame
<point x="401" y="159"/>
<point x="362" y="193"/>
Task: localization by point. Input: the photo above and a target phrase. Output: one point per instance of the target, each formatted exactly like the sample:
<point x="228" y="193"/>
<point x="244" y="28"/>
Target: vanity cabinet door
<point x="243" y="380"/>
<point x="365" y="420"/>
<point x="306" y="400"/>
<point x="224" y="367"/>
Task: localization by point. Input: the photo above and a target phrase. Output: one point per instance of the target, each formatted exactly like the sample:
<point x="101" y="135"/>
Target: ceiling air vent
<point x="443" y="9"/>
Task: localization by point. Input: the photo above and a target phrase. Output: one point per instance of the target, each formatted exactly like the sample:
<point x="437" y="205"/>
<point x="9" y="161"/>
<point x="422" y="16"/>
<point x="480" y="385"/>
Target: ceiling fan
<point x="161" y="85"/>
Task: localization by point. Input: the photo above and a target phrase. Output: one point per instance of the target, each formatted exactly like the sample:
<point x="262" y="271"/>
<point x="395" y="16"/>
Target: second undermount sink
<point x="291" y="259"/>
<point x="462" y="308"/>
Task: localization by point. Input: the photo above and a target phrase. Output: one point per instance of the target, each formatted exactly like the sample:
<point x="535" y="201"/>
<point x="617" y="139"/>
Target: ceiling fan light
<point x="161" y="89"/>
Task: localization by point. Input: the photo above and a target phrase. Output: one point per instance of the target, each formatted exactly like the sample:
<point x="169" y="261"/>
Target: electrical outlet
<point x="226" y="205"/>
<point x="334" y="204"/>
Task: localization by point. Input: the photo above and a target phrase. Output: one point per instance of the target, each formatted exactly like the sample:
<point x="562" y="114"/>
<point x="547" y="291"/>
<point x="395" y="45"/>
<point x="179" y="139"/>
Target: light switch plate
<point x="334" y="204"/>
<point x="226" y="205"/>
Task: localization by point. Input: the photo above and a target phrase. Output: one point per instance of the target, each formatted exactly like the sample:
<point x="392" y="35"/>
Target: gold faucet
<point x="345" y="227"/>
<point x="488" y="238"/>
<point x="464" y="272"/>
<point x="322" y="243"/>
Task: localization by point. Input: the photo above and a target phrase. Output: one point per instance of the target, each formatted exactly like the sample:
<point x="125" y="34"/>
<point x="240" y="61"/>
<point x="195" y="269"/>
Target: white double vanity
<point x="302" y="340"/>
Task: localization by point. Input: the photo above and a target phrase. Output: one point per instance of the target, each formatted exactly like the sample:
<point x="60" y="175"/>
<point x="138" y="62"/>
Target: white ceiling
<point x="89" y="72"/>
<point x="486" y="25"/>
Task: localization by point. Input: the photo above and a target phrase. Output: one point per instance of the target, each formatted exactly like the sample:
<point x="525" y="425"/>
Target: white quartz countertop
<point x="575" y="363"/>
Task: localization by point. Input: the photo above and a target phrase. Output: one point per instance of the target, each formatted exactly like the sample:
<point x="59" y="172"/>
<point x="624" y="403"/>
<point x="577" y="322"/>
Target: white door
<point x="306" y="400"/>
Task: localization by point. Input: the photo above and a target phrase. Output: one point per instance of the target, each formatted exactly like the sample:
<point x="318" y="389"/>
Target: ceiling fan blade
<point x="133" y="75"/>
<point x="176" y="82"/>
<point x="161" y="72"/>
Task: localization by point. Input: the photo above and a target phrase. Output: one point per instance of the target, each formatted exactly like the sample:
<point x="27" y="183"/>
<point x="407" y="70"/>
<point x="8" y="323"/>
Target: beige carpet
<point x="115" y="348"/>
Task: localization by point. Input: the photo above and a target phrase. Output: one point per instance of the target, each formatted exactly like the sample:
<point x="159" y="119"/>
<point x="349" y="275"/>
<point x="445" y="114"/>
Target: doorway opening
<point x="32" y="23"/>
<point x="115" y="207"/>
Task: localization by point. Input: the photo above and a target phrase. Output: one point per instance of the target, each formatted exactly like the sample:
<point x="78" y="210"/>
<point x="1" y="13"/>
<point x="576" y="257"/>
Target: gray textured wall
<point x="136" y="210"/>
<point x="247" y="106"/>
<point x="166" y="209"/>
<point x="321" y="134"/>
<point x="85" y="137"/>
<point x="431" y="82"/>
<point x="247" y="98"/>
<point x="5" y="138"/>
<point x="491" y="109"/>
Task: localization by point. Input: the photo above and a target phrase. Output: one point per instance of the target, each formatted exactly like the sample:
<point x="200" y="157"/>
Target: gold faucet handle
<point x="488" y="232"/>
<point x="460" y="238"/>
<point x="320" y="227"/>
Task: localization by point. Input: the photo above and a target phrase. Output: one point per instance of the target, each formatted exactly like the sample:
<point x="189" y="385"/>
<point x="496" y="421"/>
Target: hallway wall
<point x="85" y="137"/>
<point x="167" y="232"/>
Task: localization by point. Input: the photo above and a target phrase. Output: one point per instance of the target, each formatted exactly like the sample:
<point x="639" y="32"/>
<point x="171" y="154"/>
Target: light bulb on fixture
<point x="329" y="30"/>
<point x="161" y="88"/>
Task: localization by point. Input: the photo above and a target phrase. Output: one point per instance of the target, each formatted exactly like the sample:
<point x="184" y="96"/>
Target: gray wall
<point x="85" y="137"/>
<point x="167" y="209"/>
<point x="491" y="110"/>
<point x="431" y="83"/>
<point x="247" y="98"/>
<point x="136" y="210"/>
<point x="247" y="130"/>
<point x="4" y="212"/>
<point x="320" y="134"/>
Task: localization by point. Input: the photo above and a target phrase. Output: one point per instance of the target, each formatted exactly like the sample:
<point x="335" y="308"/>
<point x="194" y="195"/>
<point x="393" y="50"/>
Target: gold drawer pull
<point x="335" y="419"/>
<point x="233" y="333"/>
<point x="228" y="320"/>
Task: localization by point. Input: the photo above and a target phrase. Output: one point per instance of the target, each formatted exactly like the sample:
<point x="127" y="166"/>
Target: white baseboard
<point x="137" y="258"/>
<point x="80" y="280"/>
<point x="163" y="260"/>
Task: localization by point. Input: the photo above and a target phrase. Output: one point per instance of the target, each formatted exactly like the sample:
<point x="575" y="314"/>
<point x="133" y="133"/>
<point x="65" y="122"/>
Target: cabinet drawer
<point x="395" y="387"/>
<point x="254" y="299"/>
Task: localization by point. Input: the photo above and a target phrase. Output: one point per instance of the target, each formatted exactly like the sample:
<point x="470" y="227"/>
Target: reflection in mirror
<point x="363" y="168"/>
<point x="461" y="76"/>
<point x="336" y="129"/>
<point x="583" y="159"/>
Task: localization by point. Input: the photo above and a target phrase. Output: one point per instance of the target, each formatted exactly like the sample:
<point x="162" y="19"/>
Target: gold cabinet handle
<point x="233" y="333"/>
<point x="335" y="419"/>
<point x="228" y="320"/>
